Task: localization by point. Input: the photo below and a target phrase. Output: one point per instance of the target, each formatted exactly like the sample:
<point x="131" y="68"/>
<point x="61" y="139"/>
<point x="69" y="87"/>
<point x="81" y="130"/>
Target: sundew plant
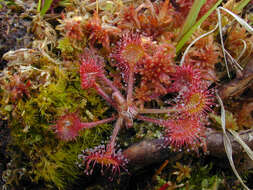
<point x="110" y="66"/>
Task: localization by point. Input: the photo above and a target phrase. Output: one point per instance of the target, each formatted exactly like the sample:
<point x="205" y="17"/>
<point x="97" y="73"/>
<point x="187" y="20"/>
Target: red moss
<point x="234" y="42"/>
<point x="74" y="28"/>
<point x="184" y="132"/>
<point x="155" y="66"/>
<point x="98" y="33"/>
<point x="158" y="19"/>
<point x="129" y="18"/>
<point x="203" y="56"/>
<point x="206" y="7"/>
<point x="143" y="93"/>
<point x="106" y="157"/>
<point x="183" y="8"/>
<point x="17" y="88"/>
<point x="181" y="11"/>
<point x="150" y="92"/>
<point x="68" y="126"/>
<point x="154" y="71"/>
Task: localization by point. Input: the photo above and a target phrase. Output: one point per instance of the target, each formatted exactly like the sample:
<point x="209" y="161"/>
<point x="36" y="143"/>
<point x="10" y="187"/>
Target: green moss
<point x="202" y="178"/>
<point x="71" y="49"/>
<point x="31" y="120"/>
<point x="65" y="45"/>
<point x="199" y="178"/>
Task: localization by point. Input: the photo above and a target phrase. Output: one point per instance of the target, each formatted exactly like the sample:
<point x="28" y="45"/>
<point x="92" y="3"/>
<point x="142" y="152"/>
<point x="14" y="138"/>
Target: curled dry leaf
<point x="238" y="85"/>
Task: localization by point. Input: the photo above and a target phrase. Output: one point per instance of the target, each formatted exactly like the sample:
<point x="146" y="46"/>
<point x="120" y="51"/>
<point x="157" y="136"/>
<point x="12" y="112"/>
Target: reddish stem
<point x="109" y="83"/>
<point x="115" y="132"/>
<point x="88" y="125"/>
<point x="152" y="120"/>
<point x="151" y="111"/>
<point x="130" y="88"/>
<point x="102" y="93"/>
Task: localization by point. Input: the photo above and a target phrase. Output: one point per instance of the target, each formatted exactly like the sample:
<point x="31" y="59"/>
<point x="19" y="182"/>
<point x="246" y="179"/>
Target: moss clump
<point x="32" y="111"/>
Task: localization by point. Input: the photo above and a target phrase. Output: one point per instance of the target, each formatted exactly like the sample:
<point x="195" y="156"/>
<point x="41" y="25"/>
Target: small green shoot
<point x="187" y="36"/>
<point x="192" y="16"/>
<point x="241" y="5"/>
<point x="46" y="5"/>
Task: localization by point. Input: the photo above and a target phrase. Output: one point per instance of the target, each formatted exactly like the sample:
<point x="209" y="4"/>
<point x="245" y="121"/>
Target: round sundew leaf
<point x="184" y="132"/>
<point x="68" y="126"/>
<point x="128" y="52"/>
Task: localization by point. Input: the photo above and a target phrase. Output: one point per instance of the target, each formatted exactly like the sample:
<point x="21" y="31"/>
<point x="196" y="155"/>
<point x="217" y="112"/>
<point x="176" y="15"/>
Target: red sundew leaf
<point x="68" y="126"/>
<point x="184" y="132"/>
<point x="184" y="77"/>
<point x="196" y="102"/>
<point x="90" y="68"/>
<point x="128" y="52"/>
<point x="106" y="157"/>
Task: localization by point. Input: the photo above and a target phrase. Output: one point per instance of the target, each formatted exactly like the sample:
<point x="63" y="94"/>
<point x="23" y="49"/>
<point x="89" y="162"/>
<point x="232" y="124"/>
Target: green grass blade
<point x="192" y="16"/>
<point x="39" y="6"/>
<point x="46" y="6"/>
<point x="241" y="5"/>
<point x="187" y="36"/>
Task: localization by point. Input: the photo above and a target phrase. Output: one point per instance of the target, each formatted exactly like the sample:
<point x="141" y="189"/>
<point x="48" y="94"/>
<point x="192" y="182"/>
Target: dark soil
<point x="5" y="137"/>
<point x="14" y="31"/>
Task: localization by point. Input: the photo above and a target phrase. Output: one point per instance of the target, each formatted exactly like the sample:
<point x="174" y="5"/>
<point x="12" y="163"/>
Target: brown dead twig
<point x="239" y="84"/>
<point x="152" y="151"/>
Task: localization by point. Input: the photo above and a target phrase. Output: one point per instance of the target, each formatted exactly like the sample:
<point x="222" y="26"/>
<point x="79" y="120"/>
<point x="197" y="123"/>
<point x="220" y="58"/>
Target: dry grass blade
<point x="227" y="143"/>
<point x="242" y="143"/>
<point x="194" y="41"/>
<point x="239" y="19"/>
<point x="221" y="38"/>
<point x="243" y="50"/>
<point x="233" y="61"/>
